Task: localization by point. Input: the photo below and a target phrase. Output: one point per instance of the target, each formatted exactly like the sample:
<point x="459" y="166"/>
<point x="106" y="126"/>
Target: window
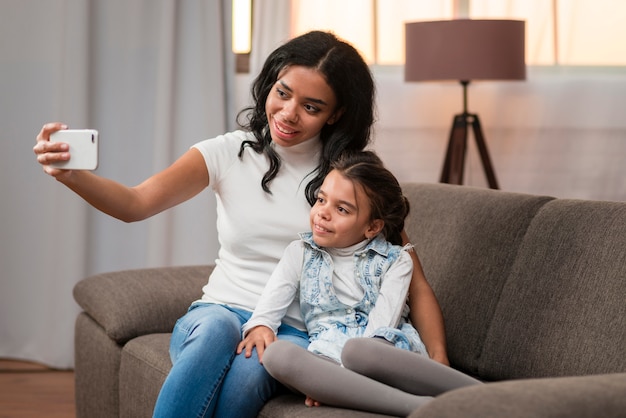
<point x="567" y="32"/>
<point x="242" y="34"/>
<point x="242" y="26"/>
<point x="375" y="28"/>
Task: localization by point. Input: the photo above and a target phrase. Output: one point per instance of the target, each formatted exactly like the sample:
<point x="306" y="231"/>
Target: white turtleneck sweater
<point x="254" y="227"/>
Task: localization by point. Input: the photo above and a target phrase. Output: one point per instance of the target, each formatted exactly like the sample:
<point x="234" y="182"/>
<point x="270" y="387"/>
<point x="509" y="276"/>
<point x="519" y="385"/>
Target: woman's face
<point x="299" y="105"/>
<point x="341" y="215"/>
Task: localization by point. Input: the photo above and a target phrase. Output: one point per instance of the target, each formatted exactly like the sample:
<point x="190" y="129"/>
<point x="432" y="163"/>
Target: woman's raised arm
<point x="185" y="178"/>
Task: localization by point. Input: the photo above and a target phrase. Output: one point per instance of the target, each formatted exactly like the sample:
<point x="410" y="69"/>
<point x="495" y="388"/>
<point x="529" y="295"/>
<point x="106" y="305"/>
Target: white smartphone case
<point x="83" y="148"/>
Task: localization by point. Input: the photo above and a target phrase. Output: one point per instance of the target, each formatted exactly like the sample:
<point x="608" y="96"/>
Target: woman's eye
<point x="311" y="109"/>
<point x="280" y="92"/>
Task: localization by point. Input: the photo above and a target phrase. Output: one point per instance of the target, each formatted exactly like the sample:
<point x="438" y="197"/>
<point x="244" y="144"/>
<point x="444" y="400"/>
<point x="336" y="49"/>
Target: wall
<point x="561" y="132"/>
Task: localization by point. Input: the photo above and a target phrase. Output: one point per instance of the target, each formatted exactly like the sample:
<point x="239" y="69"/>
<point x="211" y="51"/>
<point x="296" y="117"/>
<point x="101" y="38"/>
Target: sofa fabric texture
<point x="532" y="288"/>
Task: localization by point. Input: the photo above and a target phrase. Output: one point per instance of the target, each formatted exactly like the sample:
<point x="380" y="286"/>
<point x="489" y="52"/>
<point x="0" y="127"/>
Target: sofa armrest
<point x="582" y="397"/>
<point x="144" y="301"/>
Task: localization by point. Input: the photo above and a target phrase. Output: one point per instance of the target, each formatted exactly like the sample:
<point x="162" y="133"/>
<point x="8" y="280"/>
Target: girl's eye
<point x="342" y="210"/>
<point x="320" y="200"/>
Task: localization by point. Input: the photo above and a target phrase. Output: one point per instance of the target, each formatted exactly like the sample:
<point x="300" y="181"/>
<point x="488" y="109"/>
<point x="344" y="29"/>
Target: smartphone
<point x="83" y="148"/>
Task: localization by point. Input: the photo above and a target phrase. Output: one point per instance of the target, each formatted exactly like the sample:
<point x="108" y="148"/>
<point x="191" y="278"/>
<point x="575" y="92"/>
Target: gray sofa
<point x="533" y="291"/>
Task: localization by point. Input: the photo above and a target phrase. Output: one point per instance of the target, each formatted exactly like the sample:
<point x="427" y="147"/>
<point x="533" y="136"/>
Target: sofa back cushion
<point x="467" y="240"/>
<point x="562" y="311"/>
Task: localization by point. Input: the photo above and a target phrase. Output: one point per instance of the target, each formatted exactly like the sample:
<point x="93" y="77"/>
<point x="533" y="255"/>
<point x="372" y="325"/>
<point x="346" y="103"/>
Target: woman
<point x="313" y="99"/>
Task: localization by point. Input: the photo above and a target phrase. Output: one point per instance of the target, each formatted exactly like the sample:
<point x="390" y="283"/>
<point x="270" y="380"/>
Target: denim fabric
<point x="330" y="322"/>
<point x="207" y="377"/>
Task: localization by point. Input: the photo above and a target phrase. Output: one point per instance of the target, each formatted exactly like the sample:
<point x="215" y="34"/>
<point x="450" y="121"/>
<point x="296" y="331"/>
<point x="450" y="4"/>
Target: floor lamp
<point x="465" y="50"/>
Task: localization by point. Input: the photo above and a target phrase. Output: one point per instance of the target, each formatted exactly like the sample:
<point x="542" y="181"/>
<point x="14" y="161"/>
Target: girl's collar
<point x="346" y="251"/>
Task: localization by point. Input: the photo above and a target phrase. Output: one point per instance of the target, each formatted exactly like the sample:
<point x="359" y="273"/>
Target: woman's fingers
<point x="50" y="152"/>
<point x="48" y="128"/>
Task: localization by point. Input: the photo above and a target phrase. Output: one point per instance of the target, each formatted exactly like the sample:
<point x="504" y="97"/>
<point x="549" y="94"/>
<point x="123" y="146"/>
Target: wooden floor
<point x="31" y="390"/>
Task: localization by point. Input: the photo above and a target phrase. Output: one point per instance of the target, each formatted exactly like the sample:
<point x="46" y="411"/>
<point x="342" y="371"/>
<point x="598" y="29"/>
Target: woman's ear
<point x="335" y="117"/>
<point x="375" y="227"/>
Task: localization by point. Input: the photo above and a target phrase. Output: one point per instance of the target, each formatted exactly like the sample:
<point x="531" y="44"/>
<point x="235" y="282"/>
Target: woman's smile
<point x="283" y="128"/>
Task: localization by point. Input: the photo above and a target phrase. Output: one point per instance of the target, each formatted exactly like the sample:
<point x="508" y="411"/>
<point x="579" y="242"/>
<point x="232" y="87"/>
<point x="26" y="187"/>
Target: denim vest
<point x="330" y="323"/>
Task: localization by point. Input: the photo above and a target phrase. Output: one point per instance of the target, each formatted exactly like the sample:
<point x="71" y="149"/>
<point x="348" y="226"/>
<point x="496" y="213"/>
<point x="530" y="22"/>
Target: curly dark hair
<point x="348" y="76"/>
<point x="387" y="202"/>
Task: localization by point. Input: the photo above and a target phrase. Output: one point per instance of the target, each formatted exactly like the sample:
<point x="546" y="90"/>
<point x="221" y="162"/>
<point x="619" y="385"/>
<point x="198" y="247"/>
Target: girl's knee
<point x="350" y="347"/>
<point x="276" y="351"/>
<point x="279" y="357"/>
<point x="351" y="351"/>
<point x="360" y="352"/>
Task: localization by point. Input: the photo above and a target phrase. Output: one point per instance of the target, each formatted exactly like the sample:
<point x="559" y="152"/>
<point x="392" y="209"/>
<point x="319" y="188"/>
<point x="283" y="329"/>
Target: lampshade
<point x="465" y="49"/>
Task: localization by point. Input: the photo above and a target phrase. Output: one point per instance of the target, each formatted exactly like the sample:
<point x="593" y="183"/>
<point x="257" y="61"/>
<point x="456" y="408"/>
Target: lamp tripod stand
<point x="454" y="162"/>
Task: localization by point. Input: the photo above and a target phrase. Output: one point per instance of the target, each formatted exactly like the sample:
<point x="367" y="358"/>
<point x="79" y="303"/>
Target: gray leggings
<point x="376" y="376"/>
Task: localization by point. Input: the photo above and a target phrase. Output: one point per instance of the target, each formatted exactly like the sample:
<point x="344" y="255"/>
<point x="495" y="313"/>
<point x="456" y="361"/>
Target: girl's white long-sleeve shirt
<point x="283" y="286"/>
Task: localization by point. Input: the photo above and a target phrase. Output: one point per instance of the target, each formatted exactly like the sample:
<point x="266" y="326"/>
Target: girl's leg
<point x="202" y="348"/>
<point x="248" y="386"/>
<point x="402" y="369"/>
<point x="331" y="384"/>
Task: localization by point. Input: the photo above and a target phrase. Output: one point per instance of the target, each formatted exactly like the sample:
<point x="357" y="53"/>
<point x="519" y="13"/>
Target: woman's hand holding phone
<point x="59" y="149"/>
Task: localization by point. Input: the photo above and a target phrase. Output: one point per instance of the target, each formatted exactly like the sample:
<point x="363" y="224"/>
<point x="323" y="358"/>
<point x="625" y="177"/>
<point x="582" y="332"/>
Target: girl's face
<point x="299" y="105"/>
<point x="341" y="214"/>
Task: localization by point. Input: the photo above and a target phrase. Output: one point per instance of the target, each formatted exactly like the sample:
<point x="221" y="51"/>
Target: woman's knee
<point x="207" y="327"/>
<point x="215" y="320"/>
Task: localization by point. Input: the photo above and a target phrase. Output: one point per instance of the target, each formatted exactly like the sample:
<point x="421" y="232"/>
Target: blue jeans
<point x="208" y="378"/>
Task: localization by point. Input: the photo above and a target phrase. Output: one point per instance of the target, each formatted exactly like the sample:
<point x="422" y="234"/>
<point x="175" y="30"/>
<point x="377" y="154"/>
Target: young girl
<point x="352" y="277"/>
<point x="313" y="99"/>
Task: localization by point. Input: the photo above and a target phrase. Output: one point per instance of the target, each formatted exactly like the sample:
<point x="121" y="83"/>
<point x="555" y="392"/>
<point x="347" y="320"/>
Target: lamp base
<point x="454" y="163"/>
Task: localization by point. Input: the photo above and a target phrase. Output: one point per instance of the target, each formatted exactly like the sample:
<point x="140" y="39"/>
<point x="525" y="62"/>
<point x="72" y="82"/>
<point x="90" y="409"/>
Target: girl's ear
<point x="335" y="117"/>
<point x="374" y="228"/>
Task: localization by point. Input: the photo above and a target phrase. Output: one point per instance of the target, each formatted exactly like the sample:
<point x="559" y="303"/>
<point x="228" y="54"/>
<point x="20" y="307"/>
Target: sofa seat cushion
<point x="146" y="362"/>
<point x="144" y="365"/>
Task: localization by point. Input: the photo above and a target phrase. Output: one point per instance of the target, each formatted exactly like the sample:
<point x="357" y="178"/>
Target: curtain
<point x="153" y="77"/>
<point x="271" y="24"/>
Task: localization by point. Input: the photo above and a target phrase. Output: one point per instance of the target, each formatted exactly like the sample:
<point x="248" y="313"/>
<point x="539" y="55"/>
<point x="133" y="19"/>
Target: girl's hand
<point x="49" y="152"/>
<point x="259" y="337"/>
